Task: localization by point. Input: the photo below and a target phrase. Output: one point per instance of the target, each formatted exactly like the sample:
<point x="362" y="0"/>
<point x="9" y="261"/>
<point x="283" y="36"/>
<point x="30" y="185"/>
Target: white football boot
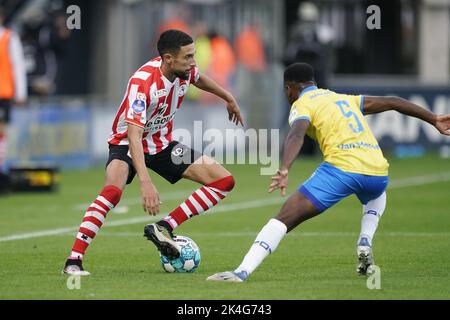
<point x="365" y="257"/>
<point x="229" y="276"/>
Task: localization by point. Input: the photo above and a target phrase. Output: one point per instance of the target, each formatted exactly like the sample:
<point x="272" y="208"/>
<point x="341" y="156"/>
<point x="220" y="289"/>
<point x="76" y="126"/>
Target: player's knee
<point x="117" y="174"/>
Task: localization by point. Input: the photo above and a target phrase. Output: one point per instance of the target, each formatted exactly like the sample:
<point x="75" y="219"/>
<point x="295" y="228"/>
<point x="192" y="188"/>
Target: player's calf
<point x="93" y="219"/>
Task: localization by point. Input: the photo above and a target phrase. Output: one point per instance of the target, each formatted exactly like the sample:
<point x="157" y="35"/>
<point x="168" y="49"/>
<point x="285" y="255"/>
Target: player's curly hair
<point x="298" y="73"/>
<point x="171" y="41"/>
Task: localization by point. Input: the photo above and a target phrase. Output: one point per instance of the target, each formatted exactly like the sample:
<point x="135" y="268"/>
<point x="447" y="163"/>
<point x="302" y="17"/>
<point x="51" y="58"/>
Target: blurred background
<point x="71" y="62"/>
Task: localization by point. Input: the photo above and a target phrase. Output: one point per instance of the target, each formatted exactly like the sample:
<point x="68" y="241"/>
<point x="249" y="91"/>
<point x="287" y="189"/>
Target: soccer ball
<point x="189" y="259"/>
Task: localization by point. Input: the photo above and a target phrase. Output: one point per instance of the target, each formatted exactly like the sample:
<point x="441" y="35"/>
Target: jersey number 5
<point x="342" y="104"/>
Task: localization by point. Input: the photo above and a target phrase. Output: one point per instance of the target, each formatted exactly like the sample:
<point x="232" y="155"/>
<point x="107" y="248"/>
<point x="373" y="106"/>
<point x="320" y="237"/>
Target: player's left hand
<point x="443" y="124"/>
<point x="234" y="112"/>
<point x="279" y="181"/>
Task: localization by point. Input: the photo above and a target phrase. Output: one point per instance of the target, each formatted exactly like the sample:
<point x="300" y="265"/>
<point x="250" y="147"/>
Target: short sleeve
<point x="359" y="100"/>
<point x="195" y="74"/>
<point x="299" y="112"/>
<point x="137" y="102"/>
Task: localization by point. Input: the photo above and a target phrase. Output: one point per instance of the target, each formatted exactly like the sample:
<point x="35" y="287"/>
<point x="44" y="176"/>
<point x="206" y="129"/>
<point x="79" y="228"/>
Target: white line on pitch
<point x="395" y="184"/>
<point x="146" y="219"/>
<point x="419" y="180"/>
<point x="180" y="194"/>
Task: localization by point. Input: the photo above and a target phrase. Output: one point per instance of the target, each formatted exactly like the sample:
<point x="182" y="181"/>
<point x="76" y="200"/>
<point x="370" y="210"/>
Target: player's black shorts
<point x="5" y="109"/>
<point x="169" y="163"/>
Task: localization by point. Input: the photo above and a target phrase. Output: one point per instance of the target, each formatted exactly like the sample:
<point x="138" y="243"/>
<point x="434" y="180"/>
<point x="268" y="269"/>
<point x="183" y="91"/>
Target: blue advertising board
<point x="404" y="135"/>
<point x="50" y="134"/>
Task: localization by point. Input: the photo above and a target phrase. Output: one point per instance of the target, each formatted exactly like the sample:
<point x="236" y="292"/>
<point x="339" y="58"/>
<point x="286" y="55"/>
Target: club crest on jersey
<point x="183" y="89"/>
<point x="178" y="151"/>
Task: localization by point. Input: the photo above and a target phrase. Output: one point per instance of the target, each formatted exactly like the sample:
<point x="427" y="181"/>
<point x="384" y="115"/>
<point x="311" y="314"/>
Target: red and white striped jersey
<point x="150" y="102"/>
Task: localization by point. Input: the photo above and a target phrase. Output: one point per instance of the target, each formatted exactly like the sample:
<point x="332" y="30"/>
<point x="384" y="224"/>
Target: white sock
<point x="372" y="213"/>
<point x="265" y="243"/>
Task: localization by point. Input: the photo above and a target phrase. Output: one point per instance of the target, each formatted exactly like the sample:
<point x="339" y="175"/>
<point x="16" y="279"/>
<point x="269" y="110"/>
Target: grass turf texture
<point x="315" y="261"/>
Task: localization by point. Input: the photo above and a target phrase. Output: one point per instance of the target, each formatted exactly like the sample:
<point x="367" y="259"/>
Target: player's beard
<point x="182" y="75"/>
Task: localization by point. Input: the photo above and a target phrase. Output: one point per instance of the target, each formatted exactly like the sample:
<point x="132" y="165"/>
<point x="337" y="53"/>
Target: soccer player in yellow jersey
<point x="353" y="163"/>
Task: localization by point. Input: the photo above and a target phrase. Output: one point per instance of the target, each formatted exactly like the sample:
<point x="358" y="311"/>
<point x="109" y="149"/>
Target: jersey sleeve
<point x="299" y="112"/>
<point x="359" y="100"/>
<point x="195" y="74"/>
<point x="136" y="103"/>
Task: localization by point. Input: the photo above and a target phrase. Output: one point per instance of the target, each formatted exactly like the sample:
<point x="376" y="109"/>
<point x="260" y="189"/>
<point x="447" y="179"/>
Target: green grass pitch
<point x="315" y="261"/>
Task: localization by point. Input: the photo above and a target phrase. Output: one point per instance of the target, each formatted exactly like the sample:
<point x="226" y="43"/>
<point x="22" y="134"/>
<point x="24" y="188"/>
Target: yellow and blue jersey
<point x="338" y="124"/>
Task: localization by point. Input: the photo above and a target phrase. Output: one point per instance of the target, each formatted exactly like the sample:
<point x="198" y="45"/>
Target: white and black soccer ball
<point x="189" y="259"/>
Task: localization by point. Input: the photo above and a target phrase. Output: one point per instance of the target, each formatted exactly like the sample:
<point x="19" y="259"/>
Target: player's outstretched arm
<point x="292" y="146"/>
<point x="207" y="84"/>
<point x="375" y="104"/>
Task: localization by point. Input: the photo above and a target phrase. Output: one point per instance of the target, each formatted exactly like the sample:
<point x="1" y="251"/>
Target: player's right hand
<point x="150" y="198"/>
<point x="279" y="181"/>
<point x="443" y="124"/>
<point x="234" y="113"/>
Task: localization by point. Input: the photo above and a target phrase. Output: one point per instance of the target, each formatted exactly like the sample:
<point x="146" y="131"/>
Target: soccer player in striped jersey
<point x="141" y="138"/>
<point x="353" y="164"/>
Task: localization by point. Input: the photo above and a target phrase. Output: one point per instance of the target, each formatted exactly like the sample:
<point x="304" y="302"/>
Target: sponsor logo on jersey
<point x="160" y="93"/>
<point x="162" y="107"/>
<point x="158" y="123"/>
